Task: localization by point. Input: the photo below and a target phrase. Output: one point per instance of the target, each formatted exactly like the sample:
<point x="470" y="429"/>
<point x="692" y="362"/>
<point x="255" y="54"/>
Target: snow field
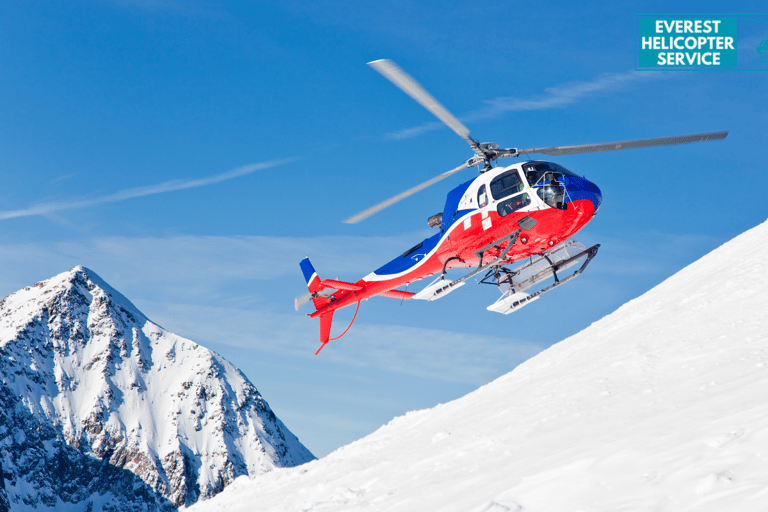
<point x="658" y="406"/>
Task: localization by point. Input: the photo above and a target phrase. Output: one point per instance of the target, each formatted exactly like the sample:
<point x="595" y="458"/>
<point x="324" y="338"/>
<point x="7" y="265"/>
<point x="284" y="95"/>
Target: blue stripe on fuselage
<point x="450" y="214"/>
<point x="450" y="211"/>
<point x="403" y="263"/>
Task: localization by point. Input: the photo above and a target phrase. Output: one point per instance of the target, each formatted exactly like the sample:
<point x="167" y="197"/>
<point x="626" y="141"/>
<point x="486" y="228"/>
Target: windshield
<point x="537" y="173"/>
<point x="546" y="178"/>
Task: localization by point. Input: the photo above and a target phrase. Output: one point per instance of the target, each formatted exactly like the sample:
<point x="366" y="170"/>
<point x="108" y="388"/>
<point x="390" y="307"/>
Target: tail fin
<point x="314" y="285"/>
<point x="313" y="280"/>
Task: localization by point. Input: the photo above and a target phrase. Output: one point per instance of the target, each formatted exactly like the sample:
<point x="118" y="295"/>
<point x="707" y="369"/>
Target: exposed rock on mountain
<point x="94" y="393"/>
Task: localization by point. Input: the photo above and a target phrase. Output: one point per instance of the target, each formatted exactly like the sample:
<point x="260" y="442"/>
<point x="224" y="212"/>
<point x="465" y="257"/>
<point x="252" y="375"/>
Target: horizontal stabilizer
<point x="397" y="294"/>
<point x="340" y="285"/>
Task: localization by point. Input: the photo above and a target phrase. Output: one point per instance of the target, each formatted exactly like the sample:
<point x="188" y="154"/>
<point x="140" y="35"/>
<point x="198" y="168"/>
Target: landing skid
<point x="513" y="283"/>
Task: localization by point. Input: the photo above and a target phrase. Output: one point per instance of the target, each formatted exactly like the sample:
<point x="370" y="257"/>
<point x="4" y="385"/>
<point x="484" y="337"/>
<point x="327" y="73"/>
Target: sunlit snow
<point x="658" y="406"/>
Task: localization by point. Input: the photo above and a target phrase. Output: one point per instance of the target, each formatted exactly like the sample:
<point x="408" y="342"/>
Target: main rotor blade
<point x="629" y="144"/>
<point x="389" y="202"/>
<point x="412" y="88"/>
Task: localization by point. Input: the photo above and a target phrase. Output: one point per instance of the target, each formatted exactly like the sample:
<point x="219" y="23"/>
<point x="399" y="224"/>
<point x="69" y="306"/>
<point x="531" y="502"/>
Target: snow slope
<point x="658" y="406"/>
<point x="84" y="370"/>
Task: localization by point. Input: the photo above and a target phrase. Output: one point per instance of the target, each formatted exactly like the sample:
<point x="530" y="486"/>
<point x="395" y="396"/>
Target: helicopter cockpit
<point x="506" y="188"/>
<point x="546" y="179"/>
<point x="506" y="191"/>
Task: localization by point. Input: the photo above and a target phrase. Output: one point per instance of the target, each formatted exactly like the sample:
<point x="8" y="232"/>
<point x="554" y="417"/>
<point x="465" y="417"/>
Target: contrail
<point x="130" y="193"/>
<point x="559" y="96"/>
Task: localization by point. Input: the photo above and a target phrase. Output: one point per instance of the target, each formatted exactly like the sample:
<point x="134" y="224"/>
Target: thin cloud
<point x="171" y="7"/>
<point x="409" y="133"/>
<point x="435" y="354"/>
<point x="233" y="291"/>
<point x="559" y="96"/>
<point x="195" y="267"/>
<point x="67" y="176"/>
<point x="122" y="195"/>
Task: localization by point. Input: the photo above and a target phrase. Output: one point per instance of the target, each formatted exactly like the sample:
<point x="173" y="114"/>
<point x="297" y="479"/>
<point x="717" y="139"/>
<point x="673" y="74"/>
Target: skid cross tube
<point x="482" y="268"/>
<point x="493" y="277"/>
<point x="555" y="268"/>
<point x="445" y="265"/>
<point x="512" y="239"/>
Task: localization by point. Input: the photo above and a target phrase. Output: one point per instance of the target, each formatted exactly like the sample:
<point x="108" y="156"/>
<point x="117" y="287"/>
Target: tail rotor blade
<point x="298" y="302"/>
<point x="392" y="200"/>
<point x="629" y="144"/>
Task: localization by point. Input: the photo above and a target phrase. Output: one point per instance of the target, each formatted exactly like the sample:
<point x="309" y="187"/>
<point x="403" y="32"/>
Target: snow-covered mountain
<point x="658" y="406"/>
<point x="95" y="395"/>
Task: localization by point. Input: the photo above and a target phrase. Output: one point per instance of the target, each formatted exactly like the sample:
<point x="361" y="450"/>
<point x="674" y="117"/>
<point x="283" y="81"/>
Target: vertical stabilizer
<point x="314" y="285"/>
<point x="313" y="280"/>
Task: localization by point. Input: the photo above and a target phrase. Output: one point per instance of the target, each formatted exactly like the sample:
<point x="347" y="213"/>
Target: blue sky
<point x="191" y="153"/>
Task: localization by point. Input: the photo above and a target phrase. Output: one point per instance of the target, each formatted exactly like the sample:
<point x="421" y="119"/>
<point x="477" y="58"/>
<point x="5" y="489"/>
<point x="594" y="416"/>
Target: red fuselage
<point x="478" y="214"/>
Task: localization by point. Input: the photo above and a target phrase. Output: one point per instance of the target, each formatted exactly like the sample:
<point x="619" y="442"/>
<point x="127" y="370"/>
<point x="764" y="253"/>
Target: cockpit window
<point x="553" y="194"/>
<point x="562" y="170"/>
<point x="506" y="184"/>
<point x="538" y="172"/>
<point x="482" y="197"/>
<point x="512" y="204"/>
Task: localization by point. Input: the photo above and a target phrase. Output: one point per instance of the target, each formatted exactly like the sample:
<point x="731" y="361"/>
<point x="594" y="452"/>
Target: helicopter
<point x="526" y="212"/>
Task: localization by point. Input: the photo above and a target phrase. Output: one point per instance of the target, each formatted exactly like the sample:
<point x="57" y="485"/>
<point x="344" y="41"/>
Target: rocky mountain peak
<point x="80" y="359"/>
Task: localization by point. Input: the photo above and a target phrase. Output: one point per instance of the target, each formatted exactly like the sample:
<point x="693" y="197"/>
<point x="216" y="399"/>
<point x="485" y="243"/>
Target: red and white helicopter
<point x="526" y="211"/>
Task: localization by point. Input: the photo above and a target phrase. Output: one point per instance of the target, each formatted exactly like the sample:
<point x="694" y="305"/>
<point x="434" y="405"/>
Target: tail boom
<point x="346" y="294"/>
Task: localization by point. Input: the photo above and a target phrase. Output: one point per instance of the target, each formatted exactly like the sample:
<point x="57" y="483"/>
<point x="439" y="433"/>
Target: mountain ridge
<point x="84" y="361"/>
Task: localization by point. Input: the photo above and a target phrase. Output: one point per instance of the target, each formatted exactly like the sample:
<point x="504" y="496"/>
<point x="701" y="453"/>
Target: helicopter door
<point x="482" y="203"/>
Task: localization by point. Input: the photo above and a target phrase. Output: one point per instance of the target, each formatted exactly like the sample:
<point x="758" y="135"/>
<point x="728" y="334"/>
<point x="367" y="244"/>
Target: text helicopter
<point x="526" y="211"/>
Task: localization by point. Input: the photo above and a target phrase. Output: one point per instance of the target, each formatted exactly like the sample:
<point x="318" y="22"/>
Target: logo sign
<point x="762" y="50"/>
<point x="668" y="41"/>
